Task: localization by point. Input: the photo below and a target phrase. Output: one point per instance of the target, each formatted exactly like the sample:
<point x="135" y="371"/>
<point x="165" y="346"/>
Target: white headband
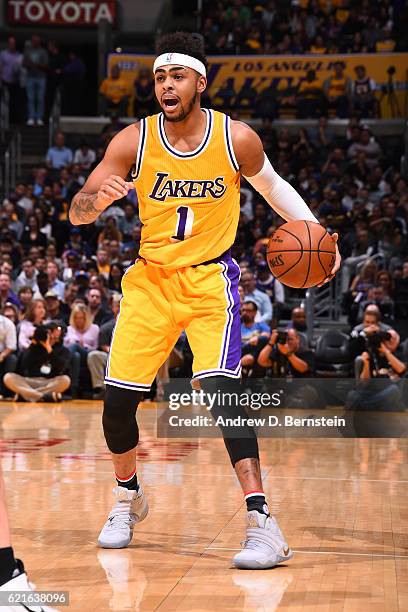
<point x="179" y="59"/>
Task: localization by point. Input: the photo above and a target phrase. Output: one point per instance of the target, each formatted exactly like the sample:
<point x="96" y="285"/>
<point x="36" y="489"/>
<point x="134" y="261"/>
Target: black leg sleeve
<point x="119" y="419"/>
<point x="240" y="440"/>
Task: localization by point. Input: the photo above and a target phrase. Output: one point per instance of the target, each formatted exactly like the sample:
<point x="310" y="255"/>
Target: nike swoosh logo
<point x="286" y="551"/>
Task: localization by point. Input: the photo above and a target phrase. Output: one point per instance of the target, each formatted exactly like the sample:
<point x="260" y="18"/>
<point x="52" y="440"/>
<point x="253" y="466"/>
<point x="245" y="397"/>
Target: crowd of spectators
<point x="304" y="26"/>
<point x="272" y="27"/>
<point x="337" y="95"/>
<point x="60" y="285"/>
<point x="33" y="73"/>
<point x="354" y="186"/>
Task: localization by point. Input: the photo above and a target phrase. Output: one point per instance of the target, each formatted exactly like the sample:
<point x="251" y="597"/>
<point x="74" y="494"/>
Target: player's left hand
<point x="337" y="262"/>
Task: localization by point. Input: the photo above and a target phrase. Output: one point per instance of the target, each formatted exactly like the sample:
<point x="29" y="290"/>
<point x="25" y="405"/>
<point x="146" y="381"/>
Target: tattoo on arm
<point x="83" y="207"/>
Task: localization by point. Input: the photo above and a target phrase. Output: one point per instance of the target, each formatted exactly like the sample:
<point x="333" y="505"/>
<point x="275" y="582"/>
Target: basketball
<point x="301" y="254"/>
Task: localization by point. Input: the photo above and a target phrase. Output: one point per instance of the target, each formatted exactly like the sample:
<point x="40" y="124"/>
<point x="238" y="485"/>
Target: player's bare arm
<point x="258" y="171"/>
<point x="107" y="182"/>
<point x="248" y="148"/>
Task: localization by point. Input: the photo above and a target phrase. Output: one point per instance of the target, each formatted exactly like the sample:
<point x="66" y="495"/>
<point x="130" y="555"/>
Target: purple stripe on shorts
<point x="231" y="352"/>
<point x="230" y="304"/>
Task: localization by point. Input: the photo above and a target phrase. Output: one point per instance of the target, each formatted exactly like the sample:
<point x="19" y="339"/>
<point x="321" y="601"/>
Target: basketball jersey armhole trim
<point x="140" y="150"/>
<point x="189" y="154"/>
<point x="228" y="143"/>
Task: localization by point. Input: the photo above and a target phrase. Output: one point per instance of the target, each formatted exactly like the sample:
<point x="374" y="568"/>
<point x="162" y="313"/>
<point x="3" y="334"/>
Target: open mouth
<point x="170" y="103"/>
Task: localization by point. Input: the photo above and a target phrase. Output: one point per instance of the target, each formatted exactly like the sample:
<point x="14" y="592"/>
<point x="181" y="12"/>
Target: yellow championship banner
<point x="287" y="71"/>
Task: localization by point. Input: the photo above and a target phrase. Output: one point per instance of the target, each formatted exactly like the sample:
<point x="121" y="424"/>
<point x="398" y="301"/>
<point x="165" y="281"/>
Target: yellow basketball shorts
<point x="158" y="304"/>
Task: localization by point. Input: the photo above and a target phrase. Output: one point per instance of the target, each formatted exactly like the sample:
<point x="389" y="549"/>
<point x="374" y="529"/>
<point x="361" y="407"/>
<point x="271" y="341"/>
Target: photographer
<point x="284" y="355"/>
<point x="368" y="338"/>
<point x="287" y="358"/>
<point x="377" y="369"/>
<point x="372" y="320"/>
<point x="41" y="372"/>
<point x="380" y="357"/>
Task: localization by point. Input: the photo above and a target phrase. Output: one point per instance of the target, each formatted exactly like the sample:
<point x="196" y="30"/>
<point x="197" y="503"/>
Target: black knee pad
<point x="119" y="419"/>
<point x="240" y="440"/>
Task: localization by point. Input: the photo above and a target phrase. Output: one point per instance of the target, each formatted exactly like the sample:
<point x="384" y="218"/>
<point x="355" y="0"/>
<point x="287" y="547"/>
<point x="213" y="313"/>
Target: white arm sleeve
<point x="280" y="195"/>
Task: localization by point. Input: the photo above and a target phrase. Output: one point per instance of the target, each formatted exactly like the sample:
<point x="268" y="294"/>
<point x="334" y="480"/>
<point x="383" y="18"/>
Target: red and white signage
<point x="60" y="12"/>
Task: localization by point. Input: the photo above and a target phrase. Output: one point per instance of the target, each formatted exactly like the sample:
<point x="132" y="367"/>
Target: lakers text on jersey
<point x="188" y="202"/>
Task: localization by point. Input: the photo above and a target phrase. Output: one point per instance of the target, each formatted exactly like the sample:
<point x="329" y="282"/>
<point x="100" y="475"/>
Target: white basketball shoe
<point x="19" y="582"/>
<point x="131" y="508"/>
<point x="265" y="545"/>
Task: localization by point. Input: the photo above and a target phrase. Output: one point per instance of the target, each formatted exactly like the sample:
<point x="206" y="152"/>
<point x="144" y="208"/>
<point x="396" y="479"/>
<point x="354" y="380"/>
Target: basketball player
<point x="188" y="163"/>
<point x="12" y="573"/>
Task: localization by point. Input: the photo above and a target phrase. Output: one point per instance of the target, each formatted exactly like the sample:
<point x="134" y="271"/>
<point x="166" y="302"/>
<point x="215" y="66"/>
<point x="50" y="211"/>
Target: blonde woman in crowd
<point x="82" y="334"/>
<point x="82" y="337"/>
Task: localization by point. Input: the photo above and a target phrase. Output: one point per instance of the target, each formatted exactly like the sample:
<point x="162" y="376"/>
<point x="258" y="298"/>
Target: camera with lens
<point x="282" y="336"/>
<point x="40" y="333"/>
<point x="373" y="341"/>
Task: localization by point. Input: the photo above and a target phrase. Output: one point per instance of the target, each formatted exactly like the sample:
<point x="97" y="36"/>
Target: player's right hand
<point x="113" y="188"/>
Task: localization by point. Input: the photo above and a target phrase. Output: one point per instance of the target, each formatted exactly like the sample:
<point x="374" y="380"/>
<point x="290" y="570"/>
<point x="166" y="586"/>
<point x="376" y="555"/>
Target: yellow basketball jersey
<point x="189" y="203"/>
<point x="337" y="86"/>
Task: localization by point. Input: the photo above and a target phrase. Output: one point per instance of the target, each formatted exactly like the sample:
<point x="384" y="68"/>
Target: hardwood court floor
<point x="342" y="504"/>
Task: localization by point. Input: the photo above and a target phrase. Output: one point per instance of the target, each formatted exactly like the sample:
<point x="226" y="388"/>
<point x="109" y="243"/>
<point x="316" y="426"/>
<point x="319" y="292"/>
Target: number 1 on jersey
<point x="184" y="225"/>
